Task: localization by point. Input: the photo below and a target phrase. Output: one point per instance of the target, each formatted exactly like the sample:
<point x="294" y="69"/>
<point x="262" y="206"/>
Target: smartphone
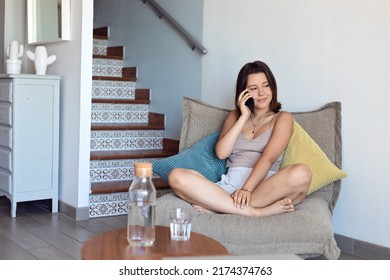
<point x="250" y="103"/>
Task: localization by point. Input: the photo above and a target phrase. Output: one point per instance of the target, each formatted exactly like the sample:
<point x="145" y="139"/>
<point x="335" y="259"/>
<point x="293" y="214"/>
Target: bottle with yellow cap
<point x="142" y="202"/>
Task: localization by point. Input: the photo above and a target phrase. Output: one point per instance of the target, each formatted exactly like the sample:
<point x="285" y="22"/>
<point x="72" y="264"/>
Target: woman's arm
<point x="232" y="127"/>
<point x="230" y="131"/>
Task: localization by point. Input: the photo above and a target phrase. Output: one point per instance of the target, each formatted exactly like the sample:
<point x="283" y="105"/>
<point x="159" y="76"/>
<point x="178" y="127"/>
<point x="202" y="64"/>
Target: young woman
<point x="252" y="139"/>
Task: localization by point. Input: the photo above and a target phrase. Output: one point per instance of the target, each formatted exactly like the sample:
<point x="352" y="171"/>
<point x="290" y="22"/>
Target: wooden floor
<point x="36" y="233"/>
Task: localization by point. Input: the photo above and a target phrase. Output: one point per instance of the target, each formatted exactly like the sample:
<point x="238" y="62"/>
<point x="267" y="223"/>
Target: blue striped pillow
<point x="199" y="157"/>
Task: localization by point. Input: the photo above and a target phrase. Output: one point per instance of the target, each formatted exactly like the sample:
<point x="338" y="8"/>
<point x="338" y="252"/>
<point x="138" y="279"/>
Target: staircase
<point x="123" y="130"/>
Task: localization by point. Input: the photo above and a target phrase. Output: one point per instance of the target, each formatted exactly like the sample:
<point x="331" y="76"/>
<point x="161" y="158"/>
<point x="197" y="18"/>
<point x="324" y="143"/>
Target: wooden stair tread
<point x="126" y="126"/>
<point x="101" y="32"/>
<point x="112" y="78"/>
<point x="100" y="37"/>
<point x="134" y="154"/>
<point x="103" y="56"/>
<point x="123" y="186"/>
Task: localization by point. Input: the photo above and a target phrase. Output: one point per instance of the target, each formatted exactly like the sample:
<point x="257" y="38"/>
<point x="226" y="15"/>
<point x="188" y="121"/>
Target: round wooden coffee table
<point x="113" y="245"/>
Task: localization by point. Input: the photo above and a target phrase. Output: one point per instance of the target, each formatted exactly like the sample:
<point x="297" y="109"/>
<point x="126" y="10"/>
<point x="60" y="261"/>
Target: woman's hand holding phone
<point x="245" y="102"/>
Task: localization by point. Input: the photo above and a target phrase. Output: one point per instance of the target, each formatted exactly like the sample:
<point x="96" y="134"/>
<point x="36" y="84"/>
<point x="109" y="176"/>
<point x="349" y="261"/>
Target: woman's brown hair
<point x="253" y="68"/>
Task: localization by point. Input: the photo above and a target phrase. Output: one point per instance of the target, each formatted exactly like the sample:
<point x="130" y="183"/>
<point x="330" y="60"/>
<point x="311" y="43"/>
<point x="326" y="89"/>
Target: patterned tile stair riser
<point x="107" y="67"/>
<point x="113" y="89"/>
<point x="111" y="204"/>
<point x="118" y="113"/>
<point x="113" y="170"/>
<point x="99" y="47"/>
<point x="126" y="140"/>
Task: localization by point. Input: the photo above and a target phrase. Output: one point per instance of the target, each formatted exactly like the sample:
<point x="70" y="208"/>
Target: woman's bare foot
<point x="282" y="206"/>
<point x="202" y="209"/>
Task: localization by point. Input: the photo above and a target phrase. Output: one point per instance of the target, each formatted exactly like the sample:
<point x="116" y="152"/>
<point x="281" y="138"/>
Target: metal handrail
<point x="161" y="13"/>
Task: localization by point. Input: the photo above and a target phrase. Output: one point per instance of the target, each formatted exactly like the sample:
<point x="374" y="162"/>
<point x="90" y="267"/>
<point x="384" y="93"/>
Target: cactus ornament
<point x="14" y="51"/>
<point x="41" y="60"/>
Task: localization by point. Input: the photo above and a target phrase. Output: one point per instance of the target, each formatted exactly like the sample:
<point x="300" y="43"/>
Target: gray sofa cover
<point x="306" y="232"/>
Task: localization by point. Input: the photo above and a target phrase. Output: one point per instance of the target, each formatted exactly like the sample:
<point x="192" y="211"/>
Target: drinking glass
<point x="180" y="224"/>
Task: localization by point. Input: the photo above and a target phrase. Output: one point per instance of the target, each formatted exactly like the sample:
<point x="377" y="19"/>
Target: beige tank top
<point x="247" y="152"/>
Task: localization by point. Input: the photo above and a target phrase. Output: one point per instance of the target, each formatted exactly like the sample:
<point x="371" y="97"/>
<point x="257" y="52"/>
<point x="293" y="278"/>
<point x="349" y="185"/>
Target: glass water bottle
<point x="141" y="208"/>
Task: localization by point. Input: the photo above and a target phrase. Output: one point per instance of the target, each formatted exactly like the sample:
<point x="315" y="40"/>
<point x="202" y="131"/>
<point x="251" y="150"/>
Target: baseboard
<point x="362" y="249"/>
<point x="78" y="214"/>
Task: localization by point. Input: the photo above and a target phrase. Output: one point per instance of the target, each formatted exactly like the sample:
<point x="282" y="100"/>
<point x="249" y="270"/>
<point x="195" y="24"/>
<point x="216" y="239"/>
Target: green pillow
<point x="199" y="157"/>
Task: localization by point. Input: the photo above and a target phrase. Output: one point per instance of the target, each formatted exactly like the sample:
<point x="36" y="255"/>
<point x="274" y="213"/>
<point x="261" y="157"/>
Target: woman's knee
<point x="176" y="178"/>
<point x="300" y="175"/>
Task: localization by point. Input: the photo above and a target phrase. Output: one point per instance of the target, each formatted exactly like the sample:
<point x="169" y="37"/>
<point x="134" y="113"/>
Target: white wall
<point x="75" y="67"/>
<point x="2" y="46"/>
<point x="320" y="51"/>
<point x="13" y="23"/>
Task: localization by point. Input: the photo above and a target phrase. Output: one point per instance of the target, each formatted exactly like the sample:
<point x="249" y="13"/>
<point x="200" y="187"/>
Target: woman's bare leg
<point x="201" y="209"/>
<point x="291" y="182"/>
<point x="196" y="189"/>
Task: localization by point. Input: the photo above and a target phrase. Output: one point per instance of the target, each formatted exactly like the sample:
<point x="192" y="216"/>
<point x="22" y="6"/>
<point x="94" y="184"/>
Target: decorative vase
<point x="14" y="51"/>
<point x="41" y="60"/>
<point x="13" y="66"/>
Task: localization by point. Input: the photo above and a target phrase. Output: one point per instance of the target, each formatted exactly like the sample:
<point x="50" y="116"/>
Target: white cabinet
<point x="29" y="138"/>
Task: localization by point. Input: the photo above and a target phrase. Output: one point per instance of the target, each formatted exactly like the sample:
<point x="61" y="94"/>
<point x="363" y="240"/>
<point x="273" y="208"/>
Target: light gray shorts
<point x="236" y="177"/>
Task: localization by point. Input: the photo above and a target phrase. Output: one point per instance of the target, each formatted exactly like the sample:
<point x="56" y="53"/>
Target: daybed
<point x="307" y="231"/>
